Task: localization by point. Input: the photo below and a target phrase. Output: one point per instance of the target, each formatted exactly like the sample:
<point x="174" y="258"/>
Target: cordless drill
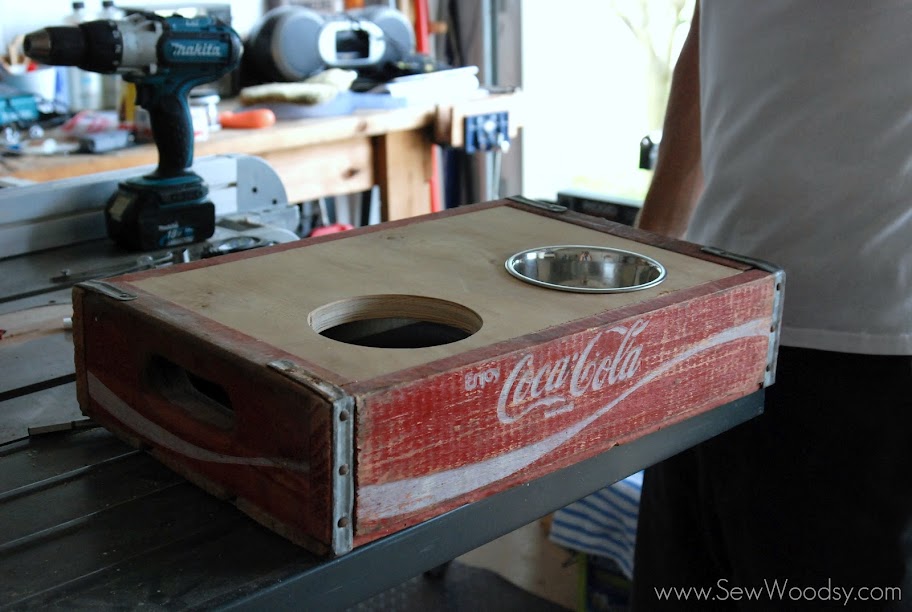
<point x="165" y="57"/>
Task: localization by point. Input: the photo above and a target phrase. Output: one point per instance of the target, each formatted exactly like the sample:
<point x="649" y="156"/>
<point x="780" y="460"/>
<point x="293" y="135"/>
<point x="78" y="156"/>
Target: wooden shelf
<point x="316" y="157"/>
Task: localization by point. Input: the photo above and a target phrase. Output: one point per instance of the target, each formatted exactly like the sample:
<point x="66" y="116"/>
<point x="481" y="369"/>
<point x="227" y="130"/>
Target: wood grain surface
<point x="287" y="135"/>
<point x="458" y="258"/>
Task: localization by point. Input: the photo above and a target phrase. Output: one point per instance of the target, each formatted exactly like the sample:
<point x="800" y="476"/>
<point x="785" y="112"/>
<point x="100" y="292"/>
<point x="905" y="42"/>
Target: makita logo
<point x="552" y="385"/>
<point x="197" y="49"/>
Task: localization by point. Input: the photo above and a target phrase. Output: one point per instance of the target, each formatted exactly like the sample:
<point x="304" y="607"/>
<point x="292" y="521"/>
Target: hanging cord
<point x="423" y="45"/>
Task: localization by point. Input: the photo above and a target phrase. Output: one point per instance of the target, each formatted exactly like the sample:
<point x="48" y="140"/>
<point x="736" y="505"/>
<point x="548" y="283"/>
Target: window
<point x="596" y="75"/>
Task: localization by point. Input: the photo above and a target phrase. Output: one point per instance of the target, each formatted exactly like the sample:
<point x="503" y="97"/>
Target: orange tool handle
<point x="248" y="119"/>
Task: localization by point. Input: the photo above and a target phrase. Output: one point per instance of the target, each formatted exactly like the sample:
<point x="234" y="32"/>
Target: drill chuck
<point x="95" y="46"/>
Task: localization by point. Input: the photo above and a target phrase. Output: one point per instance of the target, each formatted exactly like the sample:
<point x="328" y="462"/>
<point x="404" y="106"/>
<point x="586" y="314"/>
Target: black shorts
<point x="808" y="505"/>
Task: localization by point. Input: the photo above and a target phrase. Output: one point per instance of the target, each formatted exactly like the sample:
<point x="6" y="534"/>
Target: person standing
<point x="788" y="138"/>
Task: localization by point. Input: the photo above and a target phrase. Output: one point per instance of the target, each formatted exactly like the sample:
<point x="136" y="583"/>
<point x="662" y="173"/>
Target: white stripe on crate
<point x="161" y="437"/>
<point x="390" y="499"/>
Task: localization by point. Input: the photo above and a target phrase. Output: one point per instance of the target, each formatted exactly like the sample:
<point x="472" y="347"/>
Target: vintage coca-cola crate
<point x="246" y="373"/>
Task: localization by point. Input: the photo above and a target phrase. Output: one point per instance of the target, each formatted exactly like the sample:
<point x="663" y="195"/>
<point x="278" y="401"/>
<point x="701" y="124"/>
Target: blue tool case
<point x="17" y="107"/>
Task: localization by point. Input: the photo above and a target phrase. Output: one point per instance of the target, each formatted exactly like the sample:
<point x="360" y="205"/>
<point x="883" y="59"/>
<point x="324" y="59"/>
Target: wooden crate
<point x="216" y="368"/>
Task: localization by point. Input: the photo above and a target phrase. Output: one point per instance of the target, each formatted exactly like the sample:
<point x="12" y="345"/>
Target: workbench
<point x="88" y="522"/>
<point x="318" y="157"/>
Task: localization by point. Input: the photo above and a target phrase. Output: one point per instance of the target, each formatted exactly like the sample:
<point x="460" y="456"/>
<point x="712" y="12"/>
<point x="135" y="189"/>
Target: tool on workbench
<point x="102" y="142"/>
<point x="235" y="244"/>
<point x="165" y="57"/>
<point x="143" y="262"/>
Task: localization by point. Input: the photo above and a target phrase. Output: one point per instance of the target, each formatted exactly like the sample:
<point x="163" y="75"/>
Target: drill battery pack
<point x="148" y="214"/>
<point x="17" y="107"/>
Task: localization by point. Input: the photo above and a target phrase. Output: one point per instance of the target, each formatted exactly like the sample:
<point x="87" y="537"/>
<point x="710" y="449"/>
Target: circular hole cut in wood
<point x="395" y="321"/>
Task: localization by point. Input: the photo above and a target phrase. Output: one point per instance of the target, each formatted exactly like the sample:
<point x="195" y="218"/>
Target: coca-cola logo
<point x="608" y="358"/>
<point x="478" y="380"/>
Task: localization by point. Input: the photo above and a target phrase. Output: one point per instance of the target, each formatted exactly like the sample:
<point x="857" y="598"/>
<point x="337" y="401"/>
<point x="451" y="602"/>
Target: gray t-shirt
<point x="807" y="156"/>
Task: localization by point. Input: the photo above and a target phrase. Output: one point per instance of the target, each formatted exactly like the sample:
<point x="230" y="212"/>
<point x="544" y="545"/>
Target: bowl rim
<point x="512" y="260"/>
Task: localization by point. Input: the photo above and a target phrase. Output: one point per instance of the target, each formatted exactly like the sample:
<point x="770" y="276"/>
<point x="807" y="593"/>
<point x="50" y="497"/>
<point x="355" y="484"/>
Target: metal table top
<point x="88" y="522"/>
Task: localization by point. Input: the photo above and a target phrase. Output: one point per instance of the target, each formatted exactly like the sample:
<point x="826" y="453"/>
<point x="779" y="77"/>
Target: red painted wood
<point x="429" y="438"/>
<point x="613" y="383"/>
<point x="271" y="454"/>
<point x="494" y="351"/>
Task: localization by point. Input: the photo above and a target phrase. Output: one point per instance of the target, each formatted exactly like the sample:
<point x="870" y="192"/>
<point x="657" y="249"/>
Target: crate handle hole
<point x="395" y="321"/>
<point x="203" y="399"/>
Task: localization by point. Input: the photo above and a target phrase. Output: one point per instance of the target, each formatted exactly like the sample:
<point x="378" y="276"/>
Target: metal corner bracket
<point x="343" y="443"/>
<point x="108" y="289"/>
<point x="778" y="300"/>
<point x="538" y="204"/>
<point x="775" y="326"/>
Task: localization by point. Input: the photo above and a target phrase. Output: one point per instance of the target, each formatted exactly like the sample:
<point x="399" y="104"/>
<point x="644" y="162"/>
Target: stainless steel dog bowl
<point x="586" y="269"/>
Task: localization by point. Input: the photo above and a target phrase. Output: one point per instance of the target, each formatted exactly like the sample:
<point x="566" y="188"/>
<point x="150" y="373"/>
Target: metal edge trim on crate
<point x="778" y="303"/>
<point x="538" y="203"/>
<point x="343" y="486"/>
<point x="108" y="289"/>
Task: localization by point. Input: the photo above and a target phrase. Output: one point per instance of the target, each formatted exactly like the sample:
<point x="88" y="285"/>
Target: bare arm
<point x="678" y="178"/>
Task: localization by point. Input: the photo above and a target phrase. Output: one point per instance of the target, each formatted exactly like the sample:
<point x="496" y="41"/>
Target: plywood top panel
<point x="459" y="258"/>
